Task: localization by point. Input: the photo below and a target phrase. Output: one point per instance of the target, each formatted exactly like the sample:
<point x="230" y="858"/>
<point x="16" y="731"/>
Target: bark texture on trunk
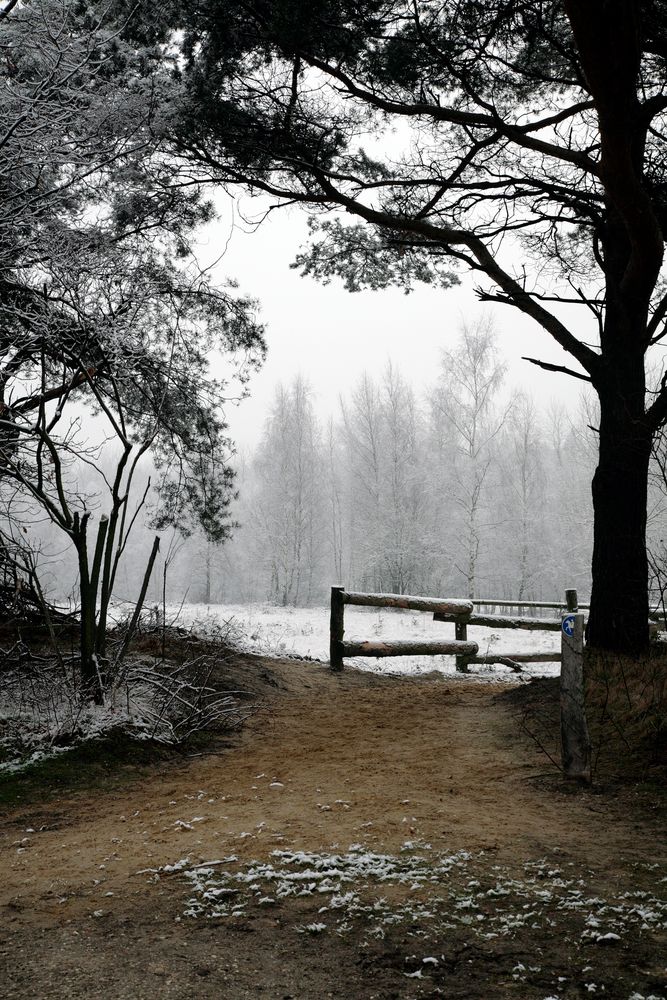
<point x="619" y="601"/>
<point x="610" y="37"/>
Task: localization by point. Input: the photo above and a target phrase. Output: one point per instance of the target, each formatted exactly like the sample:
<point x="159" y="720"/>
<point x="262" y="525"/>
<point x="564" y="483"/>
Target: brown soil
<point x="356" y="759"/>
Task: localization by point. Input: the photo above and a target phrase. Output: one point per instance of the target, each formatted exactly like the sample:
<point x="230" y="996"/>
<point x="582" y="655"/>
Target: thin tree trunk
<point x="89" y="673"/>
<point x="134" y="621"/>
<point x="207" y="586"/>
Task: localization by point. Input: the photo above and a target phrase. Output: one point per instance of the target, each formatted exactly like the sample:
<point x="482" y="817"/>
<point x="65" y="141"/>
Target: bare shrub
<point x="168" y="689"/>
<point x="170" y="706"/>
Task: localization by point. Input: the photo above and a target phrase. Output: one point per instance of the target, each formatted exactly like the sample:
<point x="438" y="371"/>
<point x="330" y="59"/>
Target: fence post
<point x="571" y="600"/>
<point x="575" y="741"/>
<point x="336" y="628"/>
<point x="461" y="632"/>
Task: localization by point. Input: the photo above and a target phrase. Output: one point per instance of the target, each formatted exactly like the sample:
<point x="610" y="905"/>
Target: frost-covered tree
<point x="102" y="301"/>
<point x="521" y="512"/>
<point x="288" y="508"/>
<point x="387" y="495"/>
<point x="568" y="462"/>
<point x="99" y="285"/>
<point x="363" y="435"/>
<point x="465" y="400"/>
<point x="406" y="550"/>
<point x="335" y="491"/>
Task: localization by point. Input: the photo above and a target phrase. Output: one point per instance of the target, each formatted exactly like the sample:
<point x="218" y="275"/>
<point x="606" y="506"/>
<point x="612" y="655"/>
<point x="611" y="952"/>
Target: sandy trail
<point x="332" y="761"/>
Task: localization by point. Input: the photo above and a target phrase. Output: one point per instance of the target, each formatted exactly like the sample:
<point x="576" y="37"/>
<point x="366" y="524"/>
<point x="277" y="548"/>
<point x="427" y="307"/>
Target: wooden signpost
<point x="575" y="741"/>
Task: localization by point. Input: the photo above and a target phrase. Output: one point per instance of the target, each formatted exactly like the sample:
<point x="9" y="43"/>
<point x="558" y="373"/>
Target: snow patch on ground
<point x="461" y="887"/>
<point x="433" y="896"/>
<point x="53" y="720"/>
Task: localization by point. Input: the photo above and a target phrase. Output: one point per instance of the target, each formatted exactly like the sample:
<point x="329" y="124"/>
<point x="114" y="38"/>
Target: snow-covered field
<point x="304" y="632"/>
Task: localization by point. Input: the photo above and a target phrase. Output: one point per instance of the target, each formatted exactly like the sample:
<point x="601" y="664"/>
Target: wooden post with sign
<point x="575" y="741"/>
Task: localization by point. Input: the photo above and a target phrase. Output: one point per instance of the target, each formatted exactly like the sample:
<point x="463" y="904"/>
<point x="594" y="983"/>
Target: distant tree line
<point x="460" y="489"/>
<point x="464" y="487"/>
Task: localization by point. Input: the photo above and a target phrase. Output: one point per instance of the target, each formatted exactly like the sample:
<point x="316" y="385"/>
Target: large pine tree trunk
<point x="619" y="601"/>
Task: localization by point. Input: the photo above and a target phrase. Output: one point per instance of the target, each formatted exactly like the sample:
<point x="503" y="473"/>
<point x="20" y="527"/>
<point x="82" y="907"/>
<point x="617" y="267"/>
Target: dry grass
<point x="626" y="703"/>
<point x="626" y="708"/>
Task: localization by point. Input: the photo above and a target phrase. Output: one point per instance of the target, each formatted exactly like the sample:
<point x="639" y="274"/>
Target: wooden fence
<point x="461" y="612"/>
<point x="338" y="648"/>
<point x="513" y="660"/>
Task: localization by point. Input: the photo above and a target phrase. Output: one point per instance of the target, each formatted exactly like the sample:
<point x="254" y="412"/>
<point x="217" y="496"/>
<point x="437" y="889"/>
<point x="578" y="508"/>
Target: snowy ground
<point x="304" y="632"/>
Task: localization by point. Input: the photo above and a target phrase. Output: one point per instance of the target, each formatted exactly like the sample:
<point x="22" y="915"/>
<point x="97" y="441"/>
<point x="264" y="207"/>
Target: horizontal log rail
<point x="514" y="660"/>
<point x="405" y="601"/>
<point x="409" y="647"/>
<point x="544" y="656"/>
<point x="508" y="603"/>
<point x="503" y="621"/>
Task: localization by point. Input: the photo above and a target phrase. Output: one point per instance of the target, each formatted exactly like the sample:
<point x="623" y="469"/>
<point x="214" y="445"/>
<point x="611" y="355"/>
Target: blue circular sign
<point x="568" y="625"/>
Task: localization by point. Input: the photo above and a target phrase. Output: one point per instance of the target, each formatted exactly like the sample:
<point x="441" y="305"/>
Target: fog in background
<point x="331" y="336"/>
<point x="391" y="443"/>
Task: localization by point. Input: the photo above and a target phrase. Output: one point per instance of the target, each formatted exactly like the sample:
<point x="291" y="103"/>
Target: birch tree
<point x="406" y="556"/>
<point x="362" y="429"/>
<point x="524" y="508"/>
<point x="336" y="500"/>
<point x="466" y="399"/>
<point x="387" y="491"/>
<point x="289" y="504"/>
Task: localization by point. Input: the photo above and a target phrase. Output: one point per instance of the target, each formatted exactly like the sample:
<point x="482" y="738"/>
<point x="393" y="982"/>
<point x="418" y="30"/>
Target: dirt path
<point x="355" y="766"/>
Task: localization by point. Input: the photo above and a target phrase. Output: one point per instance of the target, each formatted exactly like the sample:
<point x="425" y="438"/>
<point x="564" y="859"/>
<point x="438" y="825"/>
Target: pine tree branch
<point x="557" y="368"/>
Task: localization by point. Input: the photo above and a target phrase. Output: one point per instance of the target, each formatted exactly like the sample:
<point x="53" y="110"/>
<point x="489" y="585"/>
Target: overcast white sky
<point x="331" y="336"/>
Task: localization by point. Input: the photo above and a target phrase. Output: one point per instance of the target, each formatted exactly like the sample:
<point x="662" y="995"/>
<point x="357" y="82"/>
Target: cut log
<point x="548" y="605"/>
<point x="406" y="647"/>
<point x="437" y="604"/>
<point x="502" y="621"/>
<point x="545" y="657"/>
<point x="503" y="660"/>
